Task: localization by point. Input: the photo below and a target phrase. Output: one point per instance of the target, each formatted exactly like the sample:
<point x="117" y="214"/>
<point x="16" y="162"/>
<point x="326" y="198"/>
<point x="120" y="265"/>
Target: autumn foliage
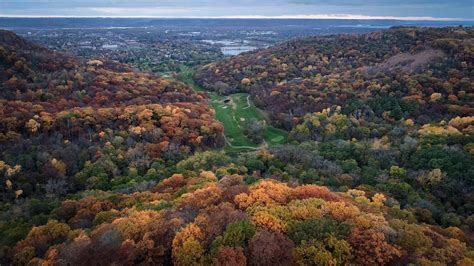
<point x="428" y="67"/>
<point x="268" y="225"/>
<point x="74" y="113"/>
<point x="103" y="165"/>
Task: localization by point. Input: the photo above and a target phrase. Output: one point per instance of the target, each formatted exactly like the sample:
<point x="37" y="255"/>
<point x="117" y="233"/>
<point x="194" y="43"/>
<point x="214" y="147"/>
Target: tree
<point x="238" y="234"/>
<point x="229" y="256"/>
<point x="187" y="250"/>
<point x="59" y="166"/>
<point x="33" y="126"/>
<point x="191" y="253"/>
<point x="268" y="249"/>
<point x="202" y="197"/>
<point x="314" y="191"/>
<point x="204" y="161"/>
<point x="317" y="229"/>
<point x="370" y="247"/>
<point x="412" y="238"/>
<point x="341" y="211"/>
<point x="313" y="255"/>
<point x="221" y="87"/>
<point x="245" y="81"/>
<point x="398" y="172"/>
<point x="38" y="240"/>
<point x="269" y="222"/>
<point x="254" y="130"/>
<point x="265" y="193"/>
<point x="435" y="97"/>
<point x="431" y="178"/>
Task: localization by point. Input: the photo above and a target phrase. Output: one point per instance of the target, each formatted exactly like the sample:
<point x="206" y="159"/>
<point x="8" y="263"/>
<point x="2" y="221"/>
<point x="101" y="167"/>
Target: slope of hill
<point x="105" y="166"/>
<point x="431" y="68"/>
<point x="390" y="112"/>
<point x="228" y="222"/>
<point x="60" y="115"/>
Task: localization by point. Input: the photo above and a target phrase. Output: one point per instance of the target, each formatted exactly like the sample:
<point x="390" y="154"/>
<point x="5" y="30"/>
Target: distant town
<point x="162" y="46"/>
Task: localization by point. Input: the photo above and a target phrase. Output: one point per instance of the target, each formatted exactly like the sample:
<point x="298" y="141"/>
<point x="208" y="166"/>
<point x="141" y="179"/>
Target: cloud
<point x="382" y="3"/>
<point x="344" y="16"/>
<point x="140" y="12"/>
<point x="334" y="9"/>
<point x="155" y="13"/>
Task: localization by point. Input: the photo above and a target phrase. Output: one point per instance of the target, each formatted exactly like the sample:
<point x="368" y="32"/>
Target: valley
<point x="138" y="141"/>
<point x="235" y="111"/>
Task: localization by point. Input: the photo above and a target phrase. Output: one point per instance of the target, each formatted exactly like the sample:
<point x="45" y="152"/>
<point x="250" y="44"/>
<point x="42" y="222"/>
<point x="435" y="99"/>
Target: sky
<point x="357" y="9"/>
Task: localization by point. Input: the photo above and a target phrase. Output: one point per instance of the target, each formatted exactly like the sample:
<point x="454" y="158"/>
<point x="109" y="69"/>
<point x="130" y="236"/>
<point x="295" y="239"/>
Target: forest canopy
<point x="101" y="164"/>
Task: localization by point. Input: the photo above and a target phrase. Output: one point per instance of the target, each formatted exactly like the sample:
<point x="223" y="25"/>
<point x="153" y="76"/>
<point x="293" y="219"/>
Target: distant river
<point x="232" y="47"/>
<point x="235" y="50"/>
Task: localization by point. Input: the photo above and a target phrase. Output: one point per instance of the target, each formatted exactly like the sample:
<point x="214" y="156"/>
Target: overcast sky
<point x="403" y="9"/>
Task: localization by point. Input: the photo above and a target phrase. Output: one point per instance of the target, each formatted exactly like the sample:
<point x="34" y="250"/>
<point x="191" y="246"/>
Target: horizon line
<point x="289" y="17"/>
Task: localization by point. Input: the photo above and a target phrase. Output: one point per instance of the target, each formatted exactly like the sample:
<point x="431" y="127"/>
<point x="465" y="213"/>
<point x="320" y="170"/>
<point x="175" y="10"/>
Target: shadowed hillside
<point x="60" y="115"/>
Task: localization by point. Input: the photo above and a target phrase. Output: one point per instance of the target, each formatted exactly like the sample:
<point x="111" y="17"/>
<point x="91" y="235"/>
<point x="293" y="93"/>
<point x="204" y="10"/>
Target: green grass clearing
<point x="234" y="114"/>
<point x="237" y="113"/>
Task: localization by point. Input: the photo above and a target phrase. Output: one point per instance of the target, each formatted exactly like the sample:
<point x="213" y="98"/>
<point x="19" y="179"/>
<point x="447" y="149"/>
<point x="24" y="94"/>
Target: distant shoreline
<point x="342" y="17"/>
<point x="12" y="23"/>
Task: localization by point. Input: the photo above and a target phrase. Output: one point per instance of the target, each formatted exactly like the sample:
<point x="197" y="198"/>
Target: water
<point x="235" y="50"/>
<point x="232" y="47"/>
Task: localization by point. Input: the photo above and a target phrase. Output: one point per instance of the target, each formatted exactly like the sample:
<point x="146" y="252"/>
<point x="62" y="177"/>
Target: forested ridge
<point x="427" y="69"/>
<point x="104" y="165"/>
<point x="392" y="109"/>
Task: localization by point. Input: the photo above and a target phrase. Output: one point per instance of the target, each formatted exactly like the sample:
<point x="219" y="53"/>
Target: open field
<point x="235" y="111"/>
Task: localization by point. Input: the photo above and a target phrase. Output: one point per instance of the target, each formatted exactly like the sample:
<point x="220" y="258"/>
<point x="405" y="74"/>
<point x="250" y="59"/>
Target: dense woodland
<point x="392" y="111"/>
<point x="102" y="165"/>
<point x="57" y="116"/>
<point x="426" y="73"/>
<point x="194" y="219"/>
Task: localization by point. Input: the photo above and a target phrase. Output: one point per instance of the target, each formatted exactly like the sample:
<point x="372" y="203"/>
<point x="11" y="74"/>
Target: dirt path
<point x="248" y="102"/>
<point x="238" y="147"/>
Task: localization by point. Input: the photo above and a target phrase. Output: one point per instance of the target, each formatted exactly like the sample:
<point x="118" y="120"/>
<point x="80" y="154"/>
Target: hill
<point x="60" y="115"/>
<point x="106" y="166"/>
<point x="193" y="219"/>
<point x="430" y="68"/>
<point x="374" y="104"/>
